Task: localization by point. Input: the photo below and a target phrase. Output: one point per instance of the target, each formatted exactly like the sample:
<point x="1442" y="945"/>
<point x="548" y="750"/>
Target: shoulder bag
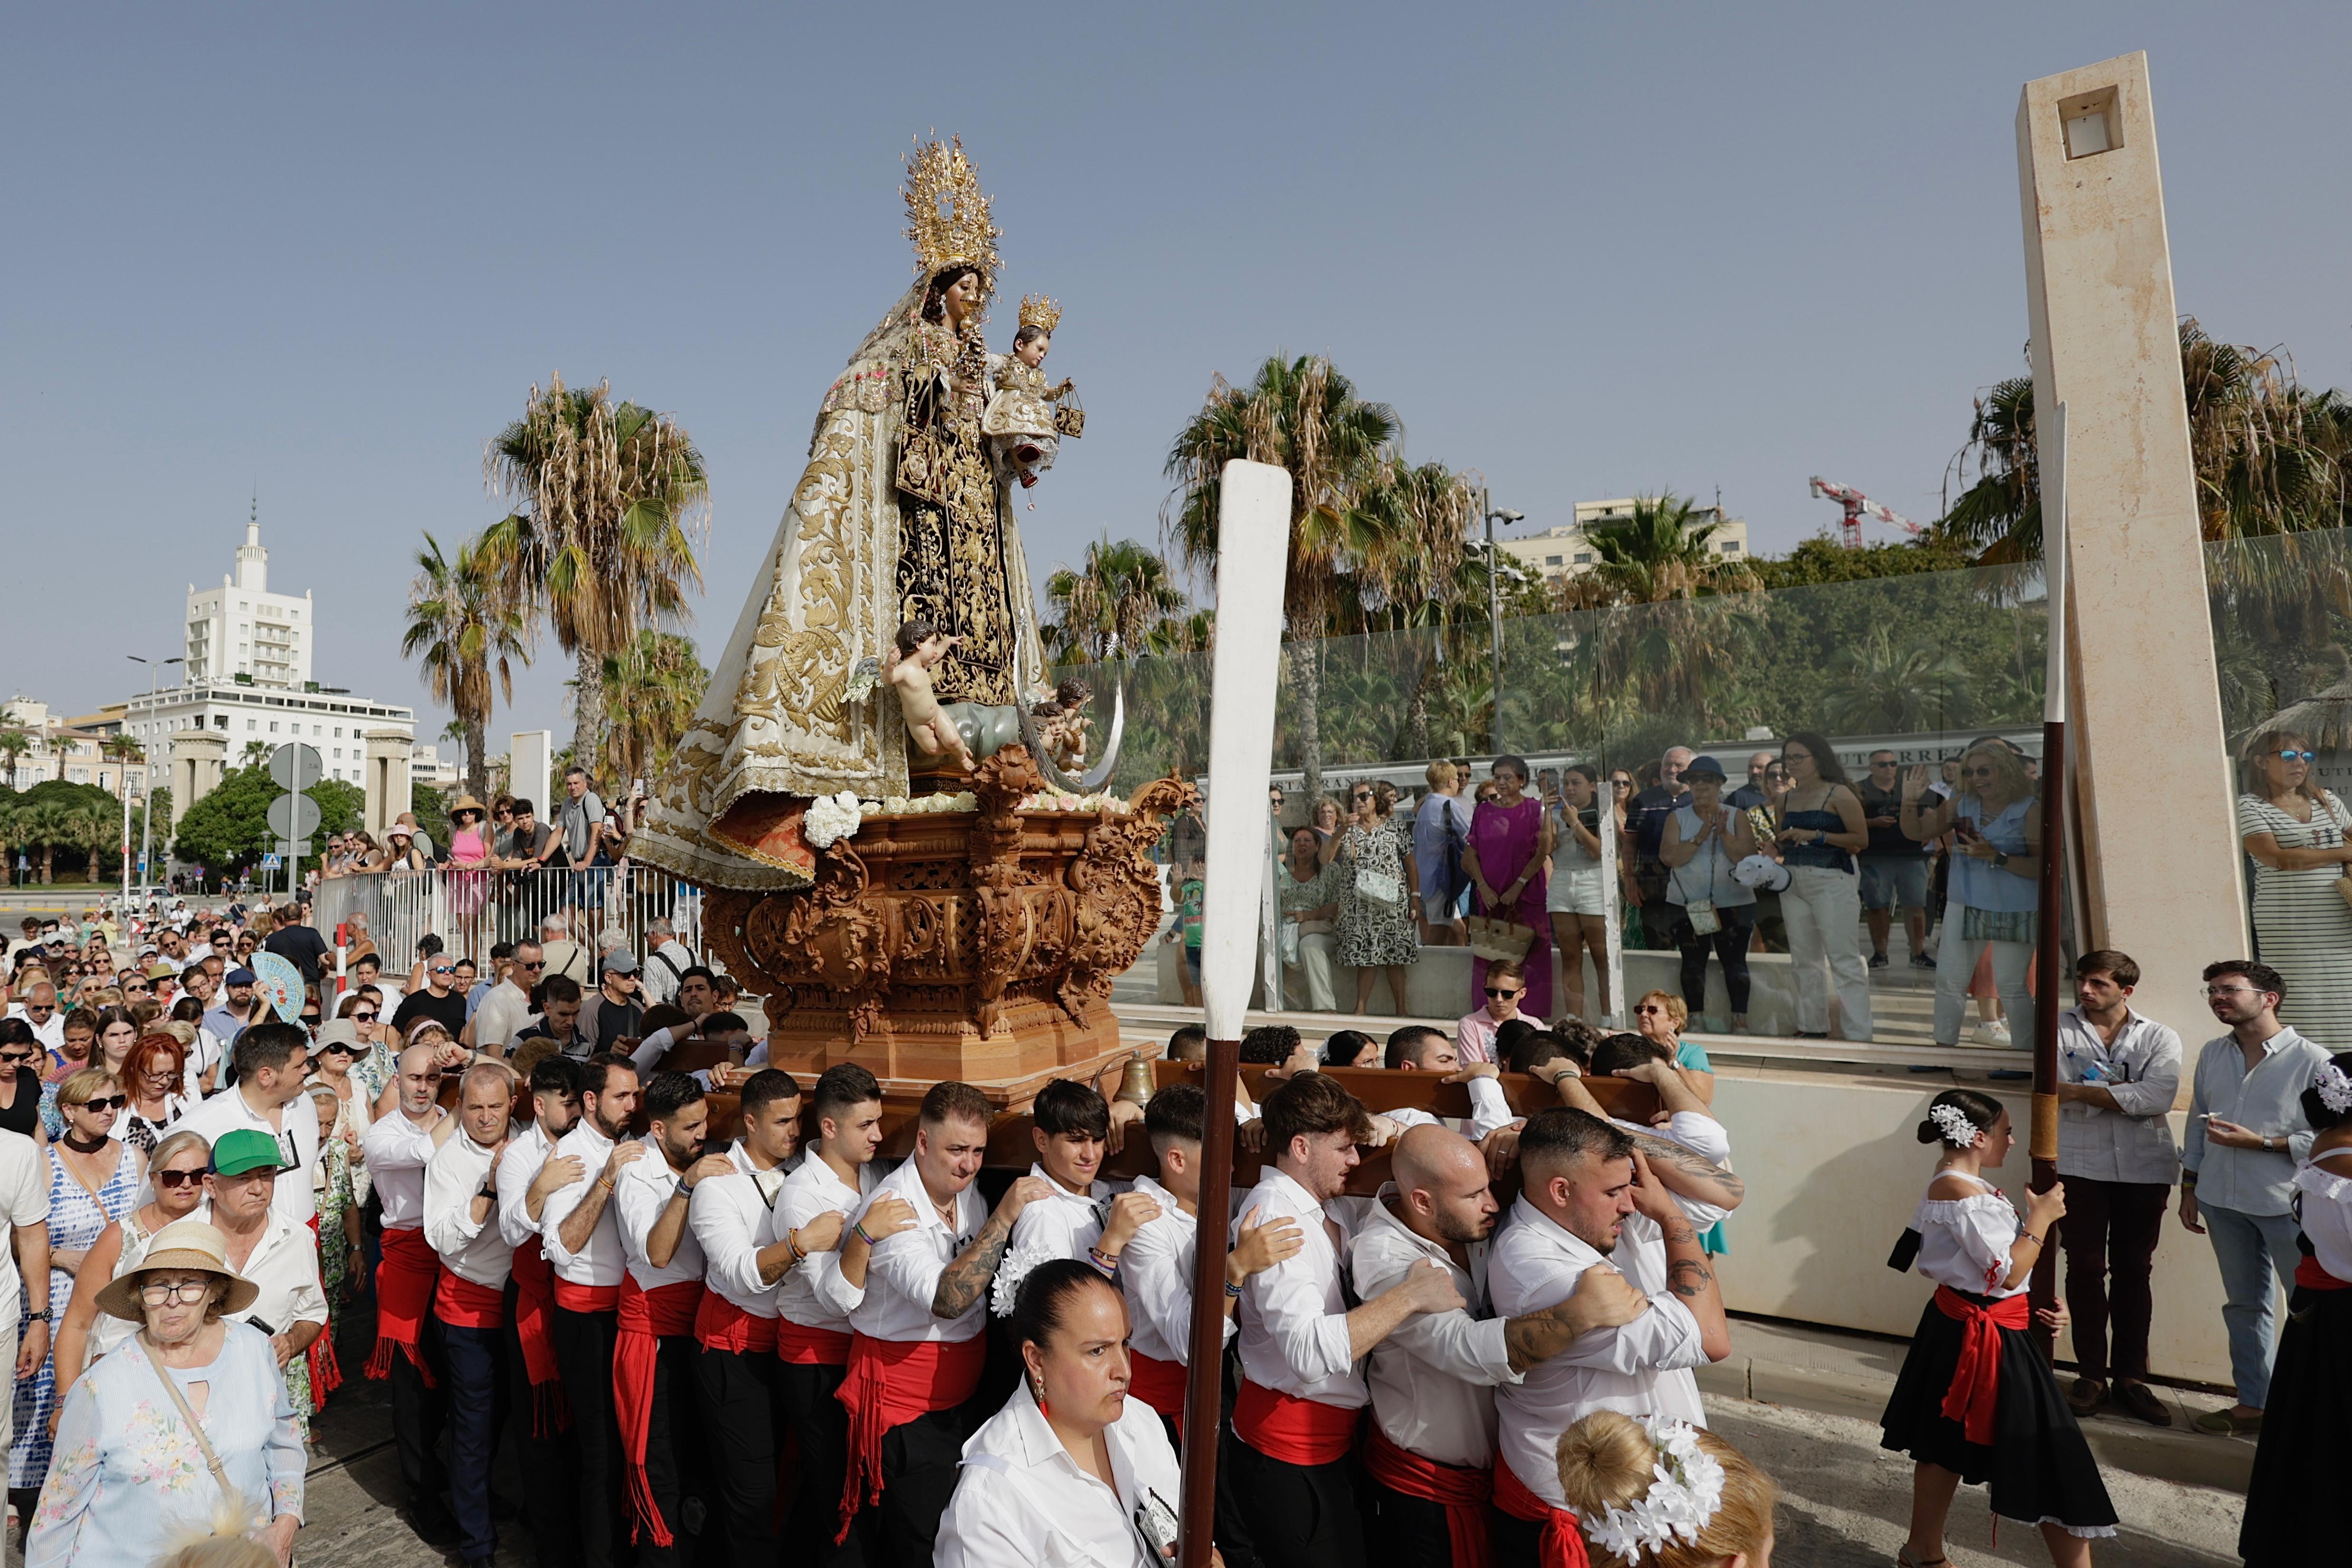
<point x="2334" y="809"/>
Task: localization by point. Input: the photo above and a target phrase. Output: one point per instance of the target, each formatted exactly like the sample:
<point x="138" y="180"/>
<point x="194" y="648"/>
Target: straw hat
<point x="188" y="1244"/>
<point x="466" y="803"/>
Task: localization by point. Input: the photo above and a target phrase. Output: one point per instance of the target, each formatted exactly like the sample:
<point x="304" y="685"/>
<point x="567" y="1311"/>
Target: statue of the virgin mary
<point x="899" y="517"/>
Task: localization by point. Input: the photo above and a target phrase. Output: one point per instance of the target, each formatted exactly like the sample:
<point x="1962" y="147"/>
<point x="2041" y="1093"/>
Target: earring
<point x="1037" y="1388"/>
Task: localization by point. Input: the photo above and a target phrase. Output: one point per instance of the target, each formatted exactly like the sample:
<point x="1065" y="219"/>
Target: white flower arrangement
<point x="1686" y="1490"/>
<point x="1052" y="800"/>
<point x="830" y="819"/>
<point x="2335" y="1087"/>
<point x="1958" y="1131"/>
<point x="1012" y="1271"/>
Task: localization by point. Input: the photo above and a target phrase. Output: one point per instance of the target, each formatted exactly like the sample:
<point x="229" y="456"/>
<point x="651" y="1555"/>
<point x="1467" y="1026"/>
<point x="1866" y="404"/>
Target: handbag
<point x="237" y="1513"/>
<point x="1492" y="938"/>
<point x="1381" y="888"/>
<point x="2344" y="829"/>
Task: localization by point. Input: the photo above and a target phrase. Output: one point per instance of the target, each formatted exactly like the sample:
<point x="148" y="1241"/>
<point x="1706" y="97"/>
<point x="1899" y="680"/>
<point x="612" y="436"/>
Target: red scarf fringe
<point x="403" y="1293"/>
<point x="889" y="1383"/>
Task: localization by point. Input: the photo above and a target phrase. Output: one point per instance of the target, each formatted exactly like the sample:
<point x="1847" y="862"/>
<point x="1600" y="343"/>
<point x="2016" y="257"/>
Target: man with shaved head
<point x="469" y="1300"/>
<point x="407" y="1342"/>
<point x="1430" y="1449"/>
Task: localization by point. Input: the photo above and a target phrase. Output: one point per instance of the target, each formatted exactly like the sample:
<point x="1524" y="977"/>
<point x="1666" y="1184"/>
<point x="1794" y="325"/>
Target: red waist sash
<point x="1462" y="1493"/>
<point x="403" y="1292"/>
<point x="889" y="1383"/>
<point x="458" y="1300"/>
<point x="1158" y="1384"/>
<point x="647" y="1318"/>
<point x="1975" y="1394"/>
<point x="1561" y="1543"/>
<point x="586" y="1298"/>
<point x="534" y="1279"/>
<point x="720" y="1325"/>
<point x="805" y="1346"/>
<point x="1295" y="1431"/>
<point x="326" y="1373"/>
<point x="2312" y="1276"/>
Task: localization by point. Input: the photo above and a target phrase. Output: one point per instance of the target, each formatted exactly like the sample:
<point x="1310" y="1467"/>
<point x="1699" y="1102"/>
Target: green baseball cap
<point x="247" y="1148"/>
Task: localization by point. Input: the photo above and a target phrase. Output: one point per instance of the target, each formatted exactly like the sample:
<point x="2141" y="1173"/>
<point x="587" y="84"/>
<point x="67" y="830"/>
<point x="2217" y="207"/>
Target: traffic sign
<point x="295" y="767"/>
<point x="270" y="863"/>
<point x="294" y="816"/>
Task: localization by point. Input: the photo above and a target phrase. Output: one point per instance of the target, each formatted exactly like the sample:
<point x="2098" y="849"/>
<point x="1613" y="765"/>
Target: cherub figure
<point x="920" y="647"/>
<point x="1021" y="421"/>
<point x="1063" y="724"/>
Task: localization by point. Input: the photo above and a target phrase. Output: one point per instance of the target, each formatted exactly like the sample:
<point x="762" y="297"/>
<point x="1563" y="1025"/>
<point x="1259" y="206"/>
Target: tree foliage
<point x="227" y="831"/>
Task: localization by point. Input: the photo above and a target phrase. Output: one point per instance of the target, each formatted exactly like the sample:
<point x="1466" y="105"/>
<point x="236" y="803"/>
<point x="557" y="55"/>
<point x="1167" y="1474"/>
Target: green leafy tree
<point x="1118" y="595"/>
<point x="48" y="825"/>
<point x="227" y="831"/>
<point x="13" y="744"/>
<point x="652" y="690"/>
<point x="467" y="634"/>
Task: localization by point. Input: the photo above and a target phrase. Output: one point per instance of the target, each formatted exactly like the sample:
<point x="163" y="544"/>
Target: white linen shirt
<point x="903" y="1273"/>
<point x="1155" y="1273"/>
<point x="2142" y="1071"/>
<point x="1433" y="1380"/>
<point x="600" y="1260"/>
<point x="1294" y="1316"/>
<point x="285" y="1267"/>
<point x="1063" y="1223"/>
<point x="397" y="1150"/>
<point x="227" y="1111"/>
<point x="474" y="1250"/>
<point x="812" y="1293"/>
<point x="733" y="1217"/>
<point x="525" y="1157"/>
<point x="23" y="1199"/>
<point x="1021" y="1501"/>
<point x="640" y="1193"/>
<point x="2266" y="1100"/>
<point x="506" y="1009"/>
<point x="1642" y="1368"/>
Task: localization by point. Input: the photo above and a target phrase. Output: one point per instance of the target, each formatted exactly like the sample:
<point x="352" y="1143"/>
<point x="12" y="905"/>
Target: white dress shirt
<point x="2142" y="1071"/>
<point x="297" y="1144"/>
<point x="904" y="1272"/>
<point x="1062" y="1224"/>
<point x="640" y="1193"/>
<point x="1433" y="1379"/>
<point x="397" y="1150"/>
<point x="1642" y="1368"/>
<point x="525" y="1157"/>
<point x="1021" y="1501"/>
<point x="1964" y="1242"/>
<point x="733" y="1217"/>
<point x="600" y="1260"/>
<point x="506" y="1009"/>
<point x="2324" y="1188"/>
<point x="1155" y="1273"/>
<point x="285" y="1265"/>
<point x="474" y="1250"/>
<point x="812" y="1293"/>
<point x="23" y="1199"/>
<point x="1293" y="1317"/>
<point x="2268" y="1099"/>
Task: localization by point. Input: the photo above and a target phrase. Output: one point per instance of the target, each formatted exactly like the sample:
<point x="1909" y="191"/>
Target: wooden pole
<point x="2050" y="950"/>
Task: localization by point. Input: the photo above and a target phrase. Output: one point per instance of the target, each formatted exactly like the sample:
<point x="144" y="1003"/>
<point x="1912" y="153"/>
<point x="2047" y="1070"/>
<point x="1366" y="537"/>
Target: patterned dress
<point x="76" y="1219"/>
<point x="2303" y="923"/>
<point x="1370" y="934"/>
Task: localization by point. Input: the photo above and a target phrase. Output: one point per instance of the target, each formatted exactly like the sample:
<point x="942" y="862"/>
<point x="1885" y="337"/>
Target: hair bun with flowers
<point x="2334" y="1087"/>
<point x="1958" y="1131"/>
<point x="1685" y="1489"/>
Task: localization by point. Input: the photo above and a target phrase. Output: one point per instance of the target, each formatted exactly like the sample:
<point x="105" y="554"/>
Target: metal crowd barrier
<point x="469" y="911"/>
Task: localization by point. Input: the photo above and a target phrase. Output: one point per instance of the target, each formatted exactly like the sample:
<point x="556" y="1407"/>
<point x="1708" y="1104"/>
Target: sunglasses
<point x="2293" y="756"/>
<point x="366" y="1017"/>
<point x="1653" y="1007"/>
<point x="336" y="1047"/>
<point x="1875" y="766"/>
<point x="1500" y="990"/>
<point x="1976" y="772"/>
<point x="15" y="1060"/>
<point x="541" y="964"/>
<point x="1363" y="795"/>
<point x="102" y="1103"/>
<point x="178" y="1178"/>
<point x="444" y="969"/>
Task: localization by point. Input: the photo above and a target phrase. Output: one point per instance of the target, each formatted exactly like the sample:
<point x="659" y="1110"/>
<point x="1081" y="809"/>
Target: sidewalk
<point x="1837" y="1374"/>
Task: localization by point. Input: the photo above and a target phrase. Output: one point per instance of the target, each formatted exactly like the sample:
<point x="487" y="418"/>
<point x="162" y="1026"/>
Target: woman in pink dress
<point x="470" y="855"/>
<point x="1510" y="848"/>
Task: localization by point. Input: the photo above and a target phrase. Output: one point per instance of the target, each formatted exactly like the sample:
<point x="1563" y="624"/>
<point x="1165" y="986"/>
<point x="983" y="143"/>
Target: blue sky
<point x="1585" y="250"/>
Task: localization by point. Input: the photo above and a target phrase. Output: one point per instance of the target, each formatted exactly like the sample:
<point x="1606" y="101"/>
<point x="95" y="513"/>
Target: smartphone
<point x="1964" y="828"/>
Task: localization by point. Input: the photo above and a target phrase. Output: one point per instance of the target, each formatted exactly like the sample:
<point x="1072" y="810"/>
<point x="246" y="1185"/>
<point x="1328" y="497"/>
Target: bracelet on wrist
<point x="1233" y="1290"/>
<point x="859" y="1230"/>
<point x="1106" y="1261"/>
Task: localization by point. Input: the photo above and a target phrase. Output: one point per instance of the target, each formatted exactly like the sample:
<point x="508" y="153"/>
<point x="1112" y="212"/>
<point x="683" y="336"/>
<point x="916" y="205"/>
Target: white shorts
<point x="1577" y="890"/>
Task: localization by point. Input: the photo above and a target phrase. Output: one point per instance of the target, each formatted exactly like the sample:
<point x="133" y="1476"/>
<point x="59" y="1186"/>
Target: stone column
<point x="199" y="758"/>
<point x="2159" y="847"/>
<point x="387" y="778"/>
<point x="530" y="755"/>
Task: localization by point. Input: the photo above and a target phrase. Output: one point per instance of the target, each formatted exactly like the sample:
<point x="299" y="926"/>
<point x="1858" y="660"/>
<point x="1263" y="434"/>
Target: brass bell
<point x="1135" y="1084"/>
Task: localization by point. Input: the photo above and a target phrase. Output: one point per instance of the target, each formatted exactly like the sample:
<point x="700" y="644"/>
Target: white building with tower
<point x="241" y="628"/>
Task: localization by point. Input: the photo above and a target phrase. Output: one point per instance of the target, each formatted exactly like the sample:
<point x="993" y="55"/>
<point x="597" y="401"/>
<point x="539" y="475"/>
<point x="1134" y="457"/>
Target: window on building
<point x="1731" y="547"/>
<point x="220" y="721"/>
<point x="252" y="724"/>
<point x="1585" y="558"/>
<point x="1552" y="560"/>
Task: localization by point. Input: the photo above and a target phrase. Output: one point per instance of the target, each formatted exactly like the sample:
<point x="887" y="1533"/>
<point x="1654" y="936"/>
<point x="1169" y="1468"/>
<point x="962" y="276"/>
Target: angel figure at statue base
<point x="930" y="730"/>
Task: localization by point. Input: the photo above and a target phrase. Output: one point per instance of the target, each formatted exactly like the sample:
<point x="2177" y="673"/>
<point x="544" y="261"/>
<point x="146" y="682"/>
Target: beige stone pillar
<point x="199" y="758"/>
<point x="387" y="778"/>
<point x="2159" y="847"/>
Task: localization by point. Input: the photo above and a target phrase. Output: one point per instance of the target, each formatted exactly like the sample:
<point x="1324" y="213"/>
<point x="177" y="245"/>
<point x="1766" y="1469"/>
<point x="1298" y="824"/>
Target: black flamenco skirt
<point x="2294" y="1504"/>
<point x="2039" y="1469"/>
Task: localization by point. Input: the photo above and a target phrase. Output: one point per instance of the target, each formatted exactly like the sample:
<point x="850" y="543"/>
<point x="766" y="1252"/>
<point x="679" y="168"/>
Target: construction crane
<point x="1856" y="504"/>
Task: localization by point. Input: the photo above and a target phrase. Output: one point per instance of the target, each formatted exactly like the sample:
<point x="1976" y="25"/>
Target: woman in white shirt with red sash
<point x="2293" y="1503"/>
<point x="1975" y="1400"/>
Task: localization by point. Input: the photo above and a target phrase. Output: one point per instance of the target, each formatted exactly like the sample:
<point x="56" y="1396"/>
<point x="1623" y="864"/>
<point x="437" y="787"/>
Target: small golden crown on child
<point x="1037" y="310"/>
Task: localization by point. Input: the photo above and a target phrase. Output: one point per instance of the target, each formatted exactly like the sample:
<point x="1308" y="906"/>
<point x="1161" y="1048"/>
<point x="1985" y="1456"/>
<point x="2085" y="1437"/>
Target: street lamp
<point x="1495" y="611"/>
<point x="147" y="781"/>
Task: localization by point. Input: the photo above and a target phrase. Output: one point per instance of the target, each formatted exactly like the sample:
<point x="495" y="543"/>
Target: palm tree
<point x="13" y="744"/>
<point x="124" y="751"/>
<point x="613" y="499"/>
<point x="256" y="754"/>
<point x="1675" y="624"/>
<point x="1303" y="415"/>
<point x="96" y="829"/>
<point x="1115" y="597"/>
<point x="654" y="689"/>
<point x="465" y="631"/>
<point x="1661" y="552"/>
<point x="12" y="815"/>
<point x="46" y="825"/>
<point x="1874" y="688"/>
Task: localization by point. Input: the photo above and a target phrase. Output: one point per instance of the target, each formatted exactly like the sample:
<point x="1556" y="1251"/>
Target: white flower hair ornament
<point x="1013" y="1270"/>
<point x="2335" y="1087"/>
<point x="1958" y="1131"/>
<point x="830" y="817"/>
<point x="1685" y="1489"/>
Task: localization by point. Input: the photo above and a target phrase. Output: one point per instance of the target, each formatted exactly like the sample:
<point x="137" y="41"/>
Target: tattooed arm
<point x="1687" y="1274"/>
<point x="965" y="1280"/>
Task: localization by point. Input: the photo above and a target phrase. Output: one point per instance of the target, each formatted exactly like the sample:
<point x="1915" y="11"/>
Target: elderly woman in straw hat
<point x="188" y="1425"/>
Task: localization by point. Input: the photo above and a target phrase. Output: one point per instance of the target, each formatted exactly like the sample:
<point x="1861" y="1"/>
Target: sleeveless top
<point x="1975" y="883"/>
<point x="24" y="1113"/>
<point x="1827" y="855"/>
<point x="1964" y="1242"/>
<point x="1705" y="877"/>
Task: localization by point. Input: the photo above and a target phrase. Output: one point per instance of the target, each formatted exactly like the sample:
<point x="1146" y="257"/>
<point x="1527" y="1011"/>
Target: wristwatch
<point x="1999" y="860"/>
<point x="42" y="1316"/>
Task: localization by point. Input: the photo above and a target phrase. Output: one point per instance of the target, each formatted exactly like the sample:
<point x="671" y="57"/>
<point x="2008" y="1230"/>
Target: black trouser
<point x="1736" y="923"/>
<point x="821" y="1427"/>
<point x="1300" y="1516"/>
<point x="475" y="1360"/>
<point x="549" y="1464"/>
<point x="417" y="1413"/>
<point x="583" y="1350"/>
<point x="1232" y="1533"/>
<point x="676" y="1461"/>
<point x="1402" y="1531"/>
<point x="2110" y="1232"/>
<point x="742" y="1411"/>
<point x="1514" y="1542"/>
<point x="920" y="1458"/>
